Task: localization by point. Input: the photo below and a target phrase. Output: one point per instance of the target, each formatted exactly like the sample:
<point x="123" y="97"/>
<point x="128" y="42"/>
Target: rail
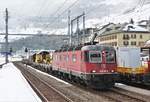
<point x="41" y="95"/>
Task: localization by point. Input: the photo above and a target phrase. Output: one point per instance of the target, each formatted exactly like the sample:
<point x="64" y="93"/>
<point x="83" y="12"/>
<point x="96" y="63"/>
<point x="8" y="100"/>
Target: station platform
<point x="14" y="87"/>
<point x="133" y="89"/>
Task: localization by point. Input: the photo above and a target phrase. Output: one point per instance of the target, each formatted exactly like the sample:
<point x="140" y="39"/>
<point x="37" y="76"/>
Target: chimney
<point x="128" y="28"/>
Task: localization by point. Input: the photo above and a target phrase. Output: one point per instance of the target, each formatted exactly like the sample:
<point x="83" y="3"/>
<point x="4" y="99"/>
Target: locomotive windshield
<point x="95" y="57"/>
<point x="110" y="56"/>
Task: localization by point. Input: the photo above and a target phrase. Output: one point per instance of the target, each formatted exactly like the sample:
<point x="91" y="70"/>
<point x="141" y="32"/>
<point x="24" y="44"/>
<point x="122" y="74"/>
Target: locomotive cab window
<point x="110" y="57"/>
<point x="86" y="56"/>
<point x="95" y="57"/>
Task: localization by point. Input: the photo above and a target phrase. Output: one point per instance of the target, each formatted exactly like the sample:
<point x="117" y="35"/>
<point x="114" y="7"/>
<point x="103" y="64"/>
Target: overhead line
<point x="59" y="15"/>
<point x="41" y="8"/>
<point x="59" y="7"/>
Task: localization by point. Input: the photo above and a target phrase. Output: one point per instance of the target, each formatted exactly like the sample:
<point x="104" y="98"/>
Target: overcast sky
<point x="31" y="7"/>
<point x="20" y="10"/>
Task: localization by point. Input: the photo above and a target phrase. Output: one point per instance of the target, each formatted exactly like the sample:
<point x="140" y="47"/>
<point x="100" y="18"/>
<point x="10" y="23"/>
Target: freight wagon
<point x="132" y="66"/>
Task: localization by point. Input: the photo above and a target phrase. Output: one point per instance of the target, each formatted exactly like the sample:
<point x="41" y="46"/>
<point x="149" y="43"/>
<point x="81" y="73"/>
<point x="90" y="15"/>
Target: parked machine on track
<point x="134" y="64"/>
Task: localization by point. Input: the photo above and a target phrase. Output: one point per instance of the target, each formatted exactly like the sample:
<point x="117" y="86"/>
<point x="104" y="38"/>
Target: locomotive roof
<point x="43" y="52"/>
<point x="69" y="48"/>
<point x="84" y="47"/>
<point x="97" y="47"/>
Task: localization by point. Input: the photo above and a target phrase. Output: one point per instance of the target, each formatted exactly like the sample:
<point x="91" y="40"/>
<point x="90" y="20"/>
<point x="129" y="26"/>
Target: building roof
<point x="118" y="28"/>
<point x="132" y="27"/>
<point x="147" y="43"/>
<point x="143" y="22"/>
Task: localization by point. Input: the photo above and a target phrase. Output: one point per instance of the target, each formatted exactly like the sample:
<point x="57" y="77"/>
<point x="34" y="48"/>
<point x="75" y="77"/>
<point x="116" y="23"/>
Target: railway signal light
<point x="26" y="49"/>
<point x="11" y="50"/>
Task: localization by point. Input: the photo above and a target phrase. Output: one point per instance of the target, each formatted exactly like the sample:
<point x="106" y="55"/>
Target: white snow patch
<point x="133" y="27"/>
<point x="117" y="84"/>
<point x="147" y="42"/>
<point x="2" y="60"/>
<point x="133" y="89"/>
<point x="14" y="87"/>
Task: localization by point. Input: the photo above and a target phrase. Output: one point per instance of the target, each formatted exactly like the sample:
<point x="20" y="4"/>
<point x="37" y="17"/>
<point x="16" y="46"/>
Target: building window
<point x="115" y="37"/>
<point x="141" y="43"/>
<point x="108" y="38"/>
<point x="108" y="29"/>
<point x="133" y="43"/>
<point x="133" y="36"/>
<point x="126" y="43"/>
<point x="115" y="43"/>
<point x="103" y="39"/>
<point x="141" y="36"/>
<point x="125" y="36"/>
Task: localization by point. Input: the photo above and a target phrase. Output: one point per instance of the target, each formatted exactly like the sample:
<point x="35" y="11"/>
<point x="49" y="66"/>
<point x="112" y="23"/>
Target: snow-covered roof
<point x="43" y="51"/>
<point x="143" y="23"/>
<point x="124" y="27"/>
<point x="147" y="43"/>
<point x="132" y="27"/>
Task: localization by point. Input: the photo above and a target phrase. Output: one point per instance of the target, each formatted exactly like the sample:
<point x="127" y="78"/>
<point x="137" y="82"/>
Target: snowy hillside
<point x="137" y="13"/>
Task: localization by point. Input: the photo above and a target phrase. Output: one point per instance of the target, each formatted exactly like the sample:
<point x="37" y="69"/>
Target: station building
<point x="122" y="35"/>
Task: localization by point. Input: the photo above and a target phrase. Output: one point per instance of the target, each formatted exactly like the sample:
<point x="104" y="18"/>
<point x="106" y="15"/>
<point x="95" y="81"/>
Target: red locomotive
<point x="93" y="65"/>
<point x="89" y="64"/>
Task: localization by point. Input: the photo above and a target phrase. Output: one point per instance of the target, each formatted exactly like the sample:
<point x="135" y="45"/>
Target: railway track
<point x="118" y="95"/>
<point x="138" y="85"/>
<point x="44" y="90"/>
<point x="79" y="93"/>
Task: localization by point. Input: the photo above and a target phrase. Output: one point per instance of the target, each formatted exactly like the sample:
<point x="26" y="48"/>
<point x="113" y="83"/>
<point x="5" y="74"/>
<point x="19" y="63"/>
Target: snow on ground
<point x="10" y="58"/>
<point x="14" y="87"/>
<point x="133" y="89"/>
<point x="2" y="60"/>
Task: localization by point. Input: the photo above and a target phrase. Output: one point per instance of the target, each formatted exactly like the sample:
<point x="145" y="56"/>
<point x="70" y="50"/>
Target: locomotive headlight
<point x="93" y="71"/>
